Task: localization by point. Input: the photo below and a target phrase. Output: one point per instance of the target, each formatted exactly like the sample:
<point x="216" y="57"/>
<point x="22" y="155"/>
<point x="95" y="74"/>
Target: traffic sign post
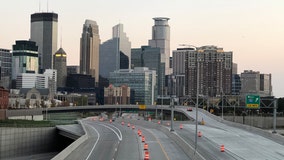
<point x="252" y="101"/>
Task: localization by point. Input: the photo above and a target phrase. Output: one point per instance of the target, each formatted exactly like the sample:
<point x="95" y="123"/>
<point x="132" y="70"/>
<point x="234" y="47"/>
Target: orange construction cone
<point x="146" y="155"/>
<point x="222" y="148"/>
<point x="199" y="134"/>
<point x="180" y="126"/>
<point x="143" y="139"/>
<point x="145" y="146"/>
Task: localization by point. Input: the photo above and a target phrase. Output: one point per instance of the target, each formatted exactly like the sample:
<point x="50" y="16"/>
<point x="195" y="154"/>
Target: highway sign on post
<point x="252" y="101"/>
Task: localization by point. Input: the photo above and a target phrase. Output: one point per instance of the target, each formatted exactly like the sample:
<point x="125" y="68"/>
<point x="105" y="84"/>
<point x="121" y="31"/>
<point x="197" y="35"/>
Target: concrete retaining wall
<point x="275" y="137"/>
<point x="17" y="142"/>
<point x="256" y="121"/>
<point x="63" y="154"/>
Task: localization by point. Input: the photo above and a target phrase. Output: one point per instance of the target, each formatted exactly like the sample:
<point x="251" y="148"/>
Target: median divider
<point x="68" y="150"/>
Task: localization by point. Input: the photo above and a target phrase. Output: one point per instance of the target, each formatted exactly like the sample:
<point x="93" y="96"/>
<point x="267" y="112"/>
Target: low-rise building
<point x="4" y="98"/>
<point x="117" y="95"/>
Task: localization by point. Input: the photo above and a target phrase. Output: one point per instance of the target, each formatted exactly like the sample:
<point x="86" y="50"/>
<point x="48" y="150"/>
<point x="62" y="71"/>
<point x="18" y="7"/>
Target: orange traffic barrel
<point x="146" y="155"/>
<point x="110" y="120"/>
<point x="133" y="127"/>
<point x="159" y="122"/>
<point x="199" y="134"/>
<point x="222" y="148"/>
<point x="145" y="146"/>
<point x="122" y="123"/>
<point x="128" y="125"/>
<point x="180" y="126"/>
<point x="168" y="123"/>
<point x="143" y="139"/>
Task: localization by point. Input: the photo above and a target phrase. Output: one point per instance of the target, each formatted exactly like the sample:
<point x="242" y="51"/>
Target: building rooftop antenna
<point x="39" y="6"/>
<point x="61" y="37"/>
<point x="47" y="5"/>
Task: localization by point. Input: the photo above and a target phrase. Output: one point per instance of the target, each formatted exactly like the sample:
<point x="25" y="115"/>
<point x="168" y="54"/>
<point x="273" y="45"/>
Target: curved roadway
<point x="238" y="143"/>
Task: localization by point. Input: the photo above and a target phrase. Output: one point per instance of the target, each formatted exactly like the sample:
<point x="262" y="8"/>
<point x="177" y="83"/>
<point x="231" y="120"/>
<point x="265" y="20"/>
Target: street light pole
<point x="222" y="102"/>
<point x="274" y="115"/>
<point x="172" y="114"/>
<point x="196" y="104"/>
<point x="197" y="93"/>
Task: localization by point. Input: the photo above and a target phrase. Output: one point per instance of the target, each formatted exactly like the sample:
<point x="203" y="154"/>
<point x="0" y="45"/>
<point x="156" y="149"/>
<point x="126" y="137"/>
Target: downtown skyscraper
<point x="60" y="64"/>
<point x="44" y="31"/>
<point x="213" y="67"/>
<point x="115" y="53"/>
<point x="89" y="50"/>
<point x="161" y="39"/>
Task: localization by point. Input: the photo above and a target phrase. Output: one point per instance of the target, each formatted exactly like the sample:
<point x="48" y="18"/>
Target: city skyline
<point x="252" y="30"/>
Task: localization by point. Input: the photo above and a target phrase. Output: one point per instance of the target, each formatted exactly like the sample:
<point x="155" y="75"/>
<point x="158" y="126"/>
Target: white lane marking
<point x="95" y="142"/>
<point x="188" y="145"/>
<point x="118" y="131"/>
<point x="118" y="136"/>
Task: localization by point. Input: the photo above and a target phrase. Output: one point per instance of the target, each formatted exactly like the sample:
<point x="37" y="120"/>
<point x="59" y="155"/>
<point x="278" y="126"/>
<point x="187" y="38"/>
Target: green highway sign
<point x="252" y="101"/>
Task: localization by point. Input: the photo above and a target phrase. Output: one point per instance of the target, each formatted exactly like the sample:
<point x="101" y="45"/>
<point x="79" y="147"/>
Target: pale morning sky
<point x="252" y="29"/>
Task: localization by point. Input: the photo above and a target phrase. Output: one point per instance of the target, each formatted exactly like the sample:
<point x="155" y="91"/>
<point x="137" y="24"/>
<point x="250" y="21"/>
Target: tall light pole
<point x="172" y="105"/>
<point x="196" y="104"/>
<point x="197" y="91"/>
<point x="221" y="86"/>
<point x="162" y="100"/>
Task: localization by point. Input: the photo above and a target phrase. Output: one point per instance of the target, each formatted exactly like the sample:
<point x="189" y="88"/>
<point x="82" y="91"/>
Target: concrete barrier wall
<point x="17" y="142"/>
<point x="256" y="121"/>
<point x="275" y="137"/>
<point x="63" y="154"/>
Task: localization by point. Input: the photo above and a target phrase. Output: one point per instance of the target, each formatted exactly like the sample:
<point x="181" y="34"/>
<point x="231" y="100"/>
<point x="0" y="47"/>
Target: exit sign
<point x="252" y="101"/>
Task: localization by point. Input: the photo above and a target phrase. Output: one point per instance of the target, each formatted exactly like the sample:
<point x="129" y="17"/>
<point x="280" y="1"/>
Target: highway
<point x="118" y="141"/>
<point x="108" y="141"/>
<point x="238" y="143"/>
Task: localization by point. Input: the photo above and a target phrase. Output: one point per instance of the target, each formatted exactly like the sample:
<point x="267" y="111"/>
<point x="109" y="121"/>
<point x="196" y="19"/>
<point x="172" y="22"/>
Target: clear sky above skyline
<point x="252" y="29"/>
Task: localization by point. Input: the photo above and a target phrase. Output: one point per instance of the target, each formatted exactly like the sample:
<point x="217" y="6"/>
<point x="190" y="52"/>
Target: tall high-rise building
<point x="115" y="53"/>
<point x="73" y="69"/>
<point x="5" y="68"/>
<point x="214" y="66"/>
<point x="161" y="39"/>
<point x="44" y="31"/>
<point x="236" y="84"/>
<point x="90" y="49"/>
<point x="140" y="79"/>
<point x="179" y="69"/>
<point x="61" y="67"/>
<point x="150" y="57"/>
<point x="253" y="82"/>
<point x="25" y="58"/>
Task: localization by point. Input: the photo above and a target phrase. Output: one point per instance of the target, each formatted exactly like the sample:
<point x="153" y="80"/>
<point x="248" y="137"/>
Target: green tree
<point x="42" y="104"/>
<point x="53" y="103"/>
<point x="27" y="104"/>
